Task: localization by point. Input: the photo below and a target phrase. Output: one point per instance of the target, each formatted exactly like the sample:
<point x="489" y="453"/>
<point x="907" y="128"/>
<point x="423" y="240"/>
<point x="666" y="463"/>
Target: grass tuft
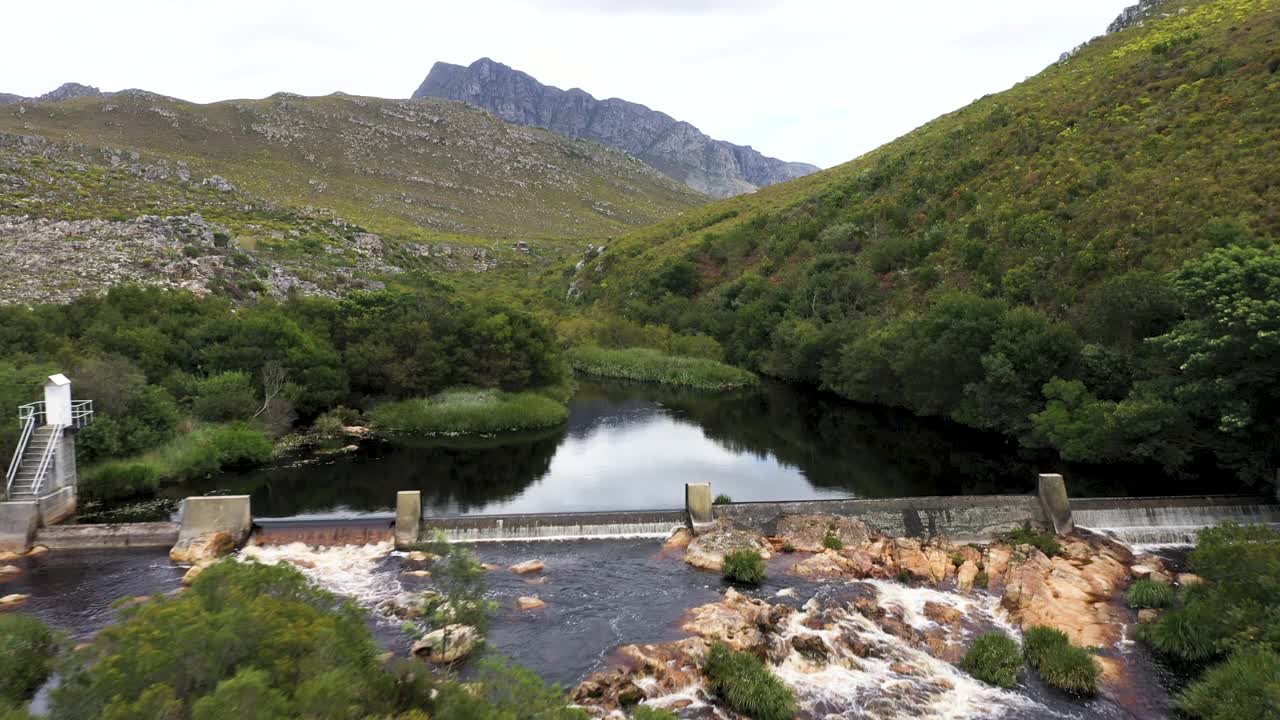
<point x="744" y="566"/>
<point x="1046" y="542"/>
<point x="993" y="658"/>
<point x="747" y="686"/>
<point x="1146" y="593"/>
<point x="831" y="541"/>
<point x="1060" y="664"/>
<point x="646" y="365"/>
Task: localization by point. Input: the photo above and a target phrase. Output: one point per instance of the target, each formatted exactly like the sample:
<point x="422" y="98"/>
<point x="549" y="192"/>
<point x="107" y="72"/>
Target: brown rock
<point x="9" y="570"/>
<point x="942" y="614"/>
<point x="965" y="575"/>
<point x="528" y="566"/>
<point x="37" y="550"/>
<point x="707" y="551"/>
<point x="421" y="557"/>
<point x="446" y="645"/>
<point x="903" y="668"/>
<point x="6" y="556"/>
<point x="203" y="549"/>
<point x="679" y="539"/>
<point x="832" y="564"/>
<point x="529" y="603"/>
<point x="490" y="567"/>
<point x="1187" y="579"/>
<point x="736" y="620"/>
<point x="194" y="572"/>
<point x="13" y="599"/>
<point x="908" y="556"/>
<point x="1147" y="616"/>
<point x="807" y="532"/>
<point x="812" y="646"/>
<point x="416" y="573"/>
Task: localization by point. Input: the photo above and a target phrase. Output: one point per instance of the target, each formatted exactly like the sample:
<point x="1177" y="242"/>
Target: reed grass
<point x="647" y="365"/>
<point x="465" y="411"/>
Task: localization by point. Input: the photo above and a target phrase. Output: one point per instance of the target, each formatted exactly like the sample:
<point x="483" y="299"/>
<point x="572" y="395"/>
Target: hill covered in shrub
<point x="1086" y="261"/>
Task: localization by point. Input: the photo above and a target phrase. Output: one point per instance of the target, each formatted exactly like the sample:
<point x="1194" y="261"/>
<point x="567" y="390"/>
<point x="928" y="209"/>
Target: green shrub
<point x="646" y="365"/>
<point x="744" y="566"/>
<point x="1147" y="593"/>
<point x="831" y="541"/>
<point x="116" y="479"/>
<point x="469" y="410"/>
<point x="747" y="686"/>
<point x="722" y="499"/>
<point x="1245" y="687"/>
<point x="26" y="649"/>
<point x="981" y="580"/>
<point x="787" y="547"/>
<point x="993" y="658"/>
<point x="1060" y="664"/>
<point x="1046" y="542"/>
<point x="226" y="396"/>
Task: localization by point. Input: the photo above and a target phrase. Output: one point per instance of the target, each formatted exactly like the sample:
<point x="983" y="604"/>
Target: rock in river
<point x="446" y="645"/>
<point x="529" y="566"/>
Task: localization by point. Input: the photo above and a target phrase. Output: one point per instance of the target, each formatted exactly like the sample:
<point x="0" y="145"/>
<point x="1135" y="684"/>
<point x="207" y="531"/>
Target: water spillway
<point x="364" y="530"/>
<point x="1171" y="520"/>
<point x="555" y="526"/>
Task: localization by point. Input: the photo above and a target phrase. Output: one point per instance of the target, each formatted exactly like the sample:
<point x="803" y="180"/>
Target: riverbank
<point x="647" y="365"/>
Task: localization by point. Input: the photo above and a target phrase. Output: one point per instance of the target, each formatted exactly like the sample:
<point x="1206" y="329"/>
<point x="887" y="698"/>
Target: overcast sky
<point x="820" y="81"/>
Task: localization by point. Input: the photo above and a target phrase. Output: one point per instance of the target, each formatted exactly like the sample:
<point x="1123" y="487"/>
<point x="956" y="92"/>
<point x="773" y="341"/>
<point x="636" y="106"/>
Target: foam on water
<point x="346" y="570"/>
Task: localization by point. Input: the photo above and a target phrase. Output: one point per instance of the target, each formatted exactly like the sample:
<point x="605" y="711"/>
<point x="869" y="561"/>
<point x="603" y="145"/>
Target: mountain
<point x="330" y="191"/>
<point x="677" y="149"/>
<point x="1074" y="262"/>
<point x="65" y="91"/>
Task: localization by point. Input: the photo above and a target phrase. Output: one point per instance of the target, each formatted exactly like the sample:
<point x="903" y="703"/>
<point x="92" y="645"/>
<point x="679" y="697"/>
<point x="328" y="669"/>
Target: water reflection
<point x="633" y="446"/>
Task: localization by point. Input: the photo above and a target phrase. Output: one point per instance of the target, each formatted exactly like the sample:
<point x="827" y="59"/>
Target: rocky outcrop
<point x="674" y="148"/>
<point x="65" y="91"/>
<point x="204" y="549"/>
<point x="807" y="533"/>
<point x="528" y="566"/>
<point x="707" y="551"/>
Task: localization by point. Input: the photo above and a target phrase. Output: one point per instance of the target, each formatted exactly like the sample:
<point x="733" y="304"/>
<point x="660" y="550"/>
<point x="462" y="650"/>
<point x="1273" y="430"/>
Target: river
<point x="629" y="446"/>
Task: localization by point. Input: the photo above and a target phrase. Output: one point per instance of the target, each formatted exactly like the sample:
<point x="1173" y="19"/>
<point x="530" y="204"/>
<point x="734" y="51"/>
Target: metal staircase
<point x="37" y="450"/>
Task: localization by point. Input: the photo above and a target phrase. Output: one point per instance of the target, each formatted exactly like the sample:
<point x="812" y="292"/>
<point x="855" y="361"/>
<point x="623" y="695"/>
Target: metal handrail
<point x="54" y="435"/>
<point x="32" y="410"/>
<point x="27" y="428"/>
<point x="81" y="413"/>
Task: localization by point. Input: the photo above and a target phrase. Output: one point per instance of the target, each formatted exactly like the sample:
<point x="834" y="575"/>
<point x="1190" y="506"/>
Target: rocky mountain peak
<point x="65" y="91"/>
<point x="675" y="148"/>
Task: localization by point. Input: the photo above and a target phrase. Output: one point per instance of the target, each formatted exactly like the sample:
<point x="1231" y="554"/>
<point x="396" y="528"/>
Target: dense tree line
<point x="154" y="360"/>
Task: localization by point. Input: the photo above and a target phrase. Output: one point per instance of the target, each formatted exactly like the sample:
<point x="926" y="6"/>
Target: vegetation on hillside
<point x="1229" y="622"/>
<point x="151" y="359"/>
<point x="1087" y="261"/>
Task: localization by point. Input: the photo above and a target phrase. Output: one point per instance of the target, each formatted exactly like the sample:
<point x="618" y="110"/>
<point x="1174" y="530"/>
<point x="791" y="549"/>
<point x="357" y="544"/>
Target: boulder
<point x="13" y="599"/>
<point x="8" y="555"/>
<point x="942" y="614"/>
<point x="528" y="566"/>
<point x="736" y="621"/>
<point x="421" y="557"/>
<point x="833" y="564"/>
<point x="529" y="603"/>
<point x="812" y="646"/>
<point x="203" y="548"/>
<point x="910" y="558"/>
<point x="707" y="551"/>
<point x="807" y="532"/>
<point x="194" y="572"/>
<point x="417" y="573"/>
<point x="6" y="570"/>
<point x="1147" y="616"/>
<point x="37" y="550"/>
<point x="965" y="575"/>
<point x="680" y="539"/>
<point x="1187" y="579"/>
<point x="446" y="645"/>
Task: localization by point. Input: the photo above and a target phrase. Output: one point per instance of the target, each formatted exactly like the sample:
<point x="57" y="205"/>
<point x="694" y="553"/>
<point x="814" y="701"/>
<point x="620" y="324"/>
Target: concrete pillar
<point x="18" y="522"/>
<point x="215" y="513"/>
<point x="1055" y="503"/>
<point x="408" y="517"/>
<point x="697" y="503"/>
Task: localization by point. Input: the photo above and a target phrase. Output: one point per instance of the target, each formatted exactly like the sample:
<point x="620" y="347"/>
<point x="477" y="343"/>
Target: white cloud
<point x="814" y="80"/>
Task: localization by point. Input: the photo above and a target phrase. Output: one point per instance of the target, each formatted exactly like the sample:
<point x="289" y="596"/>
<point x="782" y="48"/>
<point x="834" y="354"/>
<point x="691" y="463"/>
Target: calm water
<point x="630" y="446"/>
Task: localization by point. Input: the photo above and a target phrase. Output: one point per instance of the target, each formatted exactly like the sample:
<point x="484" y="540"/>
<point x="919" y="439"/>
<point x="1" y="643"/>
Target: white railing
<point x="55" y="434"/>
<point x="81" y="413"/>
<point x="31" y="411"/>
<point x="28" y="426"/>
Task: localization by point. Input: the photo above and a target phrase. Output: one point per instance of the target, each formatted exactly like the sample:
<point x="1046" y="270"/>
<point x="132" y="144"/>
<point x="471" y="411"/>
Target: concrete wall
<point x="18" y="522"/>
<point x="964" y="518"/>
<point x="57" y="506"/>
<point x="121" y="535"/>
<point x="210" y="514"/>
<point x="547" y="526"/>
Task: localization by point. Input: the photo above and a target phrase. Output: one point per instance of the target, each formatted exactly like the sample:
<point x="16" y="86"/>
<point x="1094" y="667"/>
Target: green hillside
<point x="321" y="194"/>
<point x="1086" y="261"/>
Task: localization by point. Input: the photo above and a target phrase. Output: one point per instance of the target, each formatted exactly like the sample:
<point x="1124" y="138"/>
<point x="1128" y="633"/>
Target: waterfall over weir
<point x="1170" y="520"/>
